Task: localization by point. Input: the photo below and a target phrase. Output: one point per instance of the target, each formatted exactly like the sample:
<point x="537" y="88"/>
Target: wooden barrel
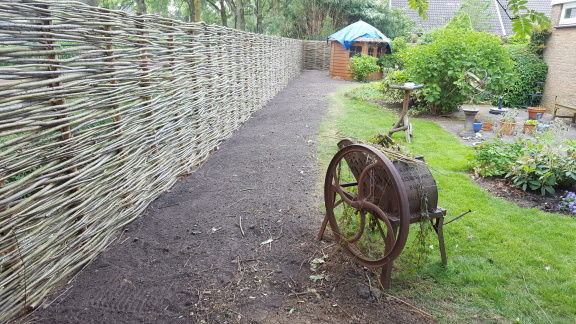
<point x="420" y="186"/>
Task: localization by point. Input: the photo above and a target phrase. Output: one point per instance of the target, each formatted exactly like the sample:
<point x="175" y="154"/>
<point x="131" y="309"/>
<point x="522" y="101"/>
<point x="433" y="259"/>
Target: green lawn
<point x="498" y="256"/>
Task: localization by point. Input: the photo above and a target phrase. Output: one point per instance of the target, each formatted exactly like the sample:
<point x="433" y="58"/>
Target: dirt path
<point x="187" y="260"/>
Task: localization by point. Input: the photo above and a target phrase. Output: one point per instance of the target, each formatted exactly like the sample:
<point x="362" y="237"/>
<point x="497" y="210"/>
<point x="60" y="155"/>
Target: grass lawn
<point x="505" y="263"/>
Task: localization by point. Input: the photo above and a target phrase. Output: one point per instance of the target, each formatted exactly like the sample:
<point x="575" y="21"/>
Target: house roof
<point x="360" y="29"/>
<point x="441" y="11"/>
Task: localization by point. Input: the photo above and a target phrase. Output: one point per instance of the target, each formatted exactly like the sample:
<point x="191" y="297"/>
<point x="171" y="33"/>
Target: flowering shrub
<point x="568" y="203"/>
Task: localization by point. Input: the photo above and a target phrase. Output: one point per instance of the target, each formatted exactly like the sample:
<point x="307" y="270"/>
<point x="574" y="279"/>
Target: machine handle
<point x="455" y="218"/>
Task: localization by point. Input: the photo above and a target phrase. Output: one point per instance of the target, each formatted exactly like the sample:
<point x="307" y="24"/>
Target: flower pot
<point x="487" y="126"/>
<point x="534" y="111"/>
<point x="507" y="128"/>
<point x="477" y="127"/>
<point x="528" y="129"/>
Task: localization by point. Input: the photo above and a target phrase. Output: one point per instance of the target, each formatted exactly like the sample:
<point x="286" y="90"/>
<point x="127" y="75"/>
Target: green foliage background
<point x="362" y="66"/>
<point x="529" y="69"/>
<point x="441" y="63"/>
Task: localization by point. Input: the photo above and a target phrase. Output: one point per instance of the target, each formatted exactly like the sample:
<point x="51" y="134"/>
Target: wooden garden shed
<point x="357" y="38"/>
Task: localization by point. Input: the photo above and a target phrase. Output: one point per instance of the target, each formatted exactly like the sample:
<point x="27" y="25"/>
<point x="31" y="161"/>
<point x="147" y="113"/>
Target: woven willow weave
<point x="316" y="55"/>
<point x="100" y="112"/>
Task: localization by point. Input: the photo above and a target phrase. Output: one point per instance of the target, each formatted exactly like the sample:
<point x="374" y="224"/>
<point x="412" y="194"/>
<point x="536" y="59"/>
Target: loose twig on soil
<point x="241" y="229"/>
<point x="418" y="310"/>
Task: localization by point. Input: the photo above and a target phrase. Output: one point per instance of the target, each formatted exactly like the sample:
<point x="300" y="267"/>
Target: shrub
<point x="393" y="95"/>
<point x="493" y="159"/>
<point x="534" y="173"/>
<point x="394" y="60"/>
<point x="528" y="70"/>
<point x="362" y="66"/>
<point x="540" y="164"/>
<point x="516" y="39"/>
<point x="441" y="65"/>
<point x="538" y="40"/>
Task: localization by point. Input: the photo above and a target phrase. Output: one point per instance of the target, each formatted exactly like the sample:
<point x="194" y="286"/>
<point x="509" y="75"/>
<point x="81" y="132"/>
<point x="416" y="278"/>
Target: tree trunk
<point x="141" y="6"/>
<point x="223" y="16"/>
<point x="240" y="22"/>
<point x="197" y="10"/>
<point x="221" y="8"/>
<point x="93" y="3"/>
<point x="191" y="10"/>
<point x="258" y="11"/>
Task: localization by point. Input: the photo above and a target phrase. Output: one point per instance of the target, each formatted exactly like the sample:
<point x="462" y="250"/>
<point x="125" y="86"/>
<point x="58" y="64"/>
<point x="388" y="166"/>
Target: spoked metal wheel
<point x="366" y="204"/>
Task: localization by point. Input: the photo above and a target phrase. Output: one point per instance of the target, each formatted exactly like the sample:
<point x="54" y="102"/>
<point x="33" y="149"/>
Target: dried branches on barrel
<point x="100" y="112"/>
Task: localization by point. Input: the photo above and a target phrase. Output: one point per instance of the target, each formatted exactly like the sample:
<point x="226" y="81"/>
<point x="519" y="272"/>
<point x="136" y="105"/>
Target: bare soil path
<point x="188" y="259"/>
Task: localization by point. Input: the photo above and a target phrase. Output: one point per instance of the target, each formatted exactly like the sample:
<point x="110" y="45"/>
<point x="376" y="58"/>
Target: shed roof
<point x="360" y="29"/>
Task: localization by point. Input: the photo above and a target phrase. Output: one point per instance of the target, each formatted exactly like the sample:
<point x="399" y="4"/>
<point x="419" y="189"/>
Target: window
<point x="382" y="50"/>
<point x="371" y="51"/>
<point x="355" y="50"/>
<point x="568" y="15"/>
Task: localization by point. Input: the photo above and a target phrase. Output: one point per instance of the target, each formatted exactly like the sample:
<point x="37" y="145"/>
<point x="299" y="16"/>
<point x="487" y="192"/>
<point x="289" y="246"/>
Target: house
<point x="560" y="85"/>
<point x="441" y="11"/>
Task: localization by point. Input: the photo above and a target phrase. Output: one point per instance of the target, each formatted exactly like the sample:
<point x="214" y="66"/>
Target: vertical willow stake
<point x="109" y="53"/>
<point x="145" y="77"/>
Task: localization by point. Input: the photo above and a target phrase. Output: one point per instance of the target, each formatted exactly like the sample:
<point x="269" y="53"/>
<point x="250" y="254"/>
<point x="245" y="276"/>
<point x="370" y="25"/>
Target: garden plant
<point x="441" y="63"/>
<point x="363" y="66"/>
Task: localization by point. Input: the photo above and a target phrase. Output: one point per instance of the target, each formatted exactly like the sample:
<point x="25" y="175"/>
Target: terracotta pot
<point x="534" y="111"/>
<point x="507" y="128"/>
<point x="487" y="126"/>
<point x="528" y="129"/>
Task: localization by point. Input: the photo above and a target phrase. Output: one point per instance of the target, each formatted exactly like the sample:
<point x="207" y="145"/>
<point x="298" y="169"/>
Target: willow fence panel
<point x="316" y="55"/>
<point x="100" y="112"/>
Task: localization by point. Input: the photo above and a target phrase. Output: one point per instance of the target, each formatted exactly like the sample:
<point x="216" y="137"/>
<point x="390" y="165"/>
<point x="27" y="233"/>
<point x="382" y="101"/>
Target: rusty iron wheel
<point x="366" y="204"/>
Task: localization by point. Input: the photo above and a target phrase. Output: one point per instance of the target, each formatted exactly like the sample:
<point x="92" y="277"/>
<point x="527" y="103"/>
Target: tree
<point x="237" y="7"/>
<point x="259" y="11"/>
<point x="93" y="3"/>
<point x="197" y="10"/>
<point x="316" y="19"/>
<point x="141" y="5"/>
<point x="194" y="10"/>
<point x="392" y="22"/>
<point x="220" y="7"/>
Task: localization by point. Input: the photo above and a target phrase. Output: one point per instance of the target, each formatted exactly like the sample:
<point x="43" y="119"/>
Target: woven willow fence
<point x="100" y="112"/>
<point x="316" y="55"/>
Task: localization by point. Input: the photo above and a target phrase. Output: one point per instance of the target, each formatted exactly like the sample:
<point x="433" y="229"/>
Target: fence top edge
<point x="67" y="5"/>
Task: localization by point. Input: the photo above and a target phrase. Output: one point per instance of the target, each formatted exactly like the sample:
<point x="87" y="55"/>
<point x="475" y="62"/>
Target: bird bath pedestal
<point x="403" y="124"/>
<point x="469" y="126"/>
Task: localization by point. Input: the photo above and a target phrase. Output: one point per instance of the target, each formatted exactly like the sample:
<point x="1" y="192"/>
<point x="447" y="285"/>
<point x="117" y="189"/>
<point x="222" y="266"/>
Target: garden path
<point x="233" y="241"/>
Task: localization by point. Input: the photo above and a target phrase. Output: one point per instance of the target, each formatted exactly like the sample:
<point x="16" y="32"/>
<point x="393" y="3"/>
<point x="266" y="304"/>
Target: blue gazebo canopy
<point x="347" y="35"/>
